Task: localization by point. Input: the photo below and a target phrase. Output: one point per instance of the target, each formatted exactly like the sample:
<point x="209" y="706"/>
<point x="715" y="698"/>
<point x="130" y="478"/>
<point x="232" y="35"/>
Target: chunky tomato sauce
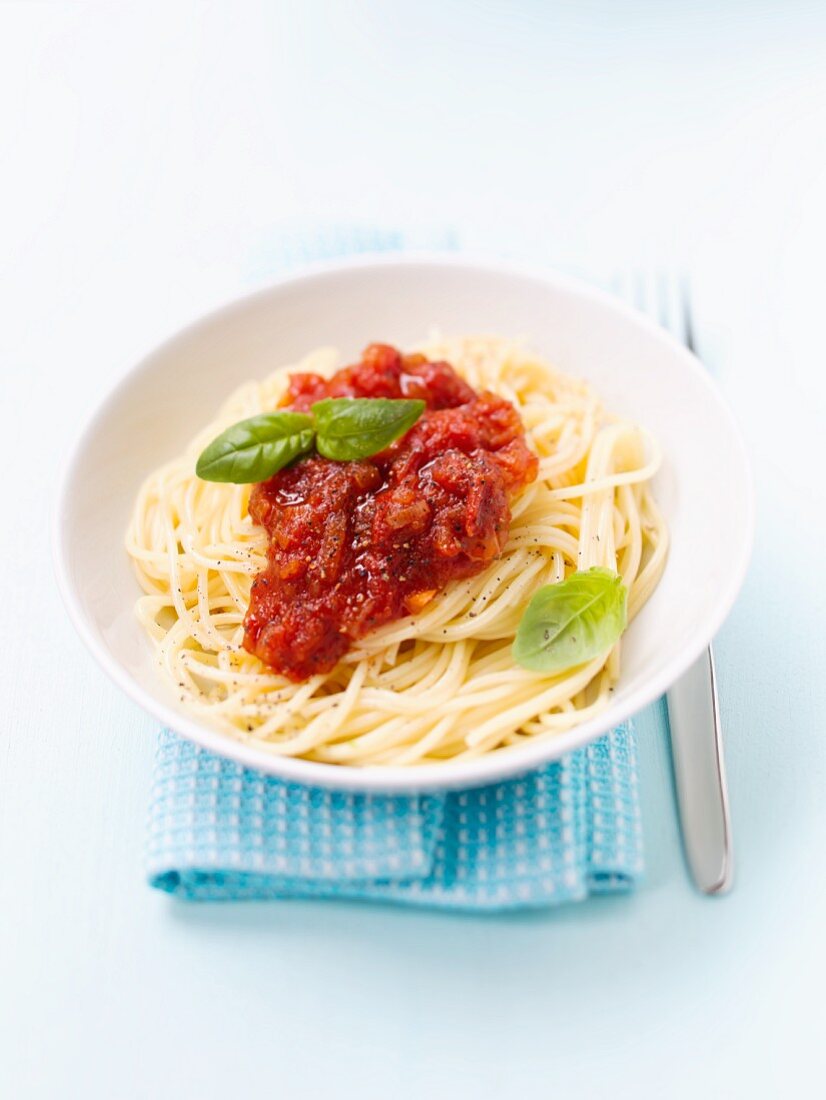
<point x="353" y="545"/>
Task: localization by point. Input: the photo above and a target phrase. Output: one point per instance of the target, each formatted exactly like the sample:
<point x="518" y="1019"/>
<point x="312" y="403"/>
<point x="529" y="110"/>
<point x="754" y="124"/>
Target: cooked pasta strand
<point x="438" y="685"/>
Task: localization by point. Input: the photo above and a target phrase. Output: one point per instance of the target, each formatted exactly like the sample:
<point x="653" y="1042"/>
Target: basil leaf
<point x="571" y="622"/>
<point x="349" y="428"/>
<point x="257" y="448"/>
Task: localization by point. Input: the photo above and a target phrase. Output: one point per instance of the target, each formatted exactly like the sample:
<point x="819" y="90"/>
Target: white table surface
<point x="149" y="159"/>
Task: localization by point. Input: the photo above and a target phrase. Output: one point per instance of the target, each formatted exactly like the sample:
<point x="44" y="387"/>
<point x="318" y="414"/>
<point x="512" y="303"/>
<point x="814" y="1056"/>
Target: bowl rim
<point x="483" y="770"/>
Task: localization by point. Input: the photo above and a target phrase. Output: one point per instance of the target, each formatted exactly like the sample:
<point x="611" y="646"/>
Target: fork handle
<point x="699" y="776"/>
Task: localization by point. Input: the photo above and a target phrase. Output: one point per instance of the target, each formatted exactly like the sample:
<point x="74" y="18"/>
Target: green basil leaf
<point x="571" y="622"/>
<point x="257" y="448"/>
<point x="349" y="428"/>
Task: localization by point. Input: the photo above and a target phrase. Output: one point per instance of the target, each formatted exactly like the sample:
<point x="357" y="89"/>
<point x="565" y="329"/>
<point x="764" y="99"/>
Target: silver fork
<point x="693" y="710"/>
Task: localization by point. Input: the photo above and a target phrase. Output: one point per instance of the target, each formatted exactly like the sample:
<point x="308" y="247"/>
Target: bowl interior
<point x="704" y="487"/>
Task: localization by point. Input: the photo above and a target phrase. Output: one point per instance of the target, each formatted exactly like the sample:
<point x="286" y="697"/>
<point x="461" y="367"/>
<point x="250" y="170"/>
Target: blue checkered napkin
<point x="571" y="829"/>
<point x="219" y="831"/>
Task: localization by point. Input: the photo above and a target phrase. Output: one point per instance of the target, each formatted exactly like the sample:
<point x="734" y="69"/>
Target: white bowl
<point x="704" y="488"/>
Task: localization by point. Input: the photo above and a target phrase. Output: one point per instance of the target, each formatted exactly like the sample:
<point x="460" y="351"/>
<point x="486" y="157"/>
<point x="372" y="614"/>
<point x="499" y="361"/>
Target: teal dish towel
<point x="571" y="829"/>
<point x="567" y="831"/>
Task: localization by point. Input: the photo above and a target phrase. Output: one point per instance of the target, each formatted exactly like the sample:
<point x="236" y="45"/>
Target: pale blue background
<point x="149" y="157"/>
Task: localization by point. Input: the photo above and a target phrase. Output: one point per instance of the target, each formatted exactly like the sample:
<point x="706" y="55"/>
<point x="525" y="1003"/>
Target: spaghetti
<point x="439" y="684"/>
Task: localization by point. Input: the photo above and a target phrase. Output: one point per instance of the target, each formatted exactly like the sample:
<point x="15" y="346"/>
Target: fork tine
<point x="643" y="297"/>
<point x="622" y="284"/>
<point x="688" y="323"/>
<point x="668" y="316"/>
<point x="641" y="292"/>
<point x="674" y="310"/>
<point x="665" y="313"/>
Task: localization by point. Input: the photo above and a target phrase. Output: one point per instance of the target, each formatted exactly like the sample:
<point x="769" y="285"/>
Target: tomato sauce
<point x="353" y="545"/>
